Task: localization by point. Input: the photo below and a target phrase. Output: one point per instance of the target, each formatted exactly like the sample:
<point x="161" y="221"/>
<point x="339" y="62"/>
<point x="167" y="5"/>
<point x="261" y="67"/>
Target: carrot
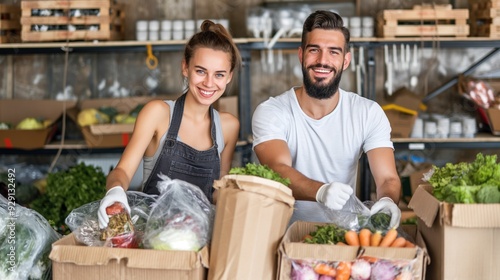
<point x="409" y="244"/>
<point x="369" y="259"/>
<point x="341" y="243"/>
<point x="351" y="238"/>
<point x="364" y="237"/>
<point x="389" y="237"/>
<point x="324" y="269"/>
<point x="343" y="271"/>
<point x="376" y="238"/>
<point x="399" y="242"/>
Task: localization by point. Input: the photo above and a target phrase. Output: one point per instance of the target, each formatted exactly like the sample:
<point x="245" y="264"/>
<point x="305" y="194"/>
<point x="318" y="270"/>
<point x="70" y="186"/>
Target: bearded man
<point x="316" y="133"/>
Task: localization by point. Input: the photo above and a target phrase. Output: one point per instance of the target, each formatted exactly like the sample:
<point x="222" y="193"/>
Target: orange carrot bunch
<point x="366" y="238"/>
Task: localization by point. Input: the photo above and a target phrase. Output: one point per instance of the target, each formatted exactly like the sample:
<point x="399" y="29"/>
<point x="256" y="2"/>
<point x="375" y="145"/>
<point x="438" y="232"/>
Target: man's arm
<point x="383" y="169"/>
<point x="276" y="155"/>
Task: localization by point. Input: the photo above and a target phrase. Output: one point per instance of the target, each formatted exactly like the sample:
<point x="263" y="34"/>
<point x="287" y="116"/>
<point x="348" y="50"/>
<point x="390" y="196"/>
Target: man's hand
<point x="334" y="195"/>
<point x="385" y="203"/>
<point x="115" y="194"/>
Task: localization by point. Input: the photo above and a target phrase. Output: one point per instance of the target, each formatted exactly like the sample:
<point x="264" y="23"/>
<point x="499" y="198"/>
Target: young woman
<point x="184" y="139"/>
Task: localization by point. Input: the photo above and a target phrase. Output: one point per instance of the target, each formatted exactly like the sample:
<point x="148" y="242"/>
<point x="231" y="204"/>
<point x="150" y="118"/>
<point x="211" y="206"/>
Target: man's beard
<point x="318" y="90"/>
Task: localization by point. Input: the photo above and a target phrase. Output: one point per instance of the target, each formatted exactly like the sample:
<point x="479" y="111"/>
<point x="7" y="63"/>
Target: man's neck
<point x="316" y="108"/>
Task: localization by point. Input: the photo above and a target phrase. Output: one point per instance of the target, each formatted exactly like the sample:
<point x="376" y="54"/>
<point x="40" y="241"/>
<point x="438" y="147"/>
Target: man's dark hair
<point x="325" y="20"/>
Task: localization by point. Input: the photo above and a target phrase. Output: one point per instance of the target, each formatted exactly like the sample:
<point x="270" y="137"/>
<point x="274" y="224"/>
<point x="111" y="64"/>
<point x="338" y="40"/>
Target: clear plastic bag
<point x="181" y="219"/>
<point x="25" y="241"/>
<point x="356" y="215"/>
<point x="84" y="224"/>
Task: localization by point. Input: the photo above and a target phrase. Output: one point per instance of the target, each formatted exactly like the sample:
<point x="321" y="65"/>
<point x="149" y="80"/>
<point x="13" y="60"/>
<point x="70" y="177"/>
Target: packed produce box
<point x="326" y="251"/>
<point x="162" y="237"/>
<point x="29" y="124"/>
<point x="109" y="122"/>
<point x="458" y="212"/>
<point x="71" y="260"/>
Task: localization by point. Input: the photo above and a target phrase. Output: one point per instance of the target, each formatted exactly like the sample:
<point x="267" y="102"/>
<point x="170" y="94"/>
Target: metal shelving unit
<point x="247" y="45"/>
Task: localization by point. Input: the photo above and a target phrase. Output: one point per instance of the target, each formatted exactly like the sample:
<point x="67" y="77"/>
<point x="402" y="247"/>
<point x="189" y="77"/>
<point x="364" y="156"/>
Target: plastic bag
<point x="356" y="215"/>
<point x="84" y="224"/>
<point x="480" y="92"/>
<point x="31" y="237"/>
<point x="181" y="219"/>
<point x="120" y="231"/>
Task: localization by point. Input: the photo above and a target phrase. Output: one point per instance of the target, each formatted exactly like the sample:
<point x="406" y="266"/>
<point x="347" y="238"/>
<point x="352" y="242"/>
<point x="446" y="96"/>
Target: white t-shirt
<point x="328" y="149"/>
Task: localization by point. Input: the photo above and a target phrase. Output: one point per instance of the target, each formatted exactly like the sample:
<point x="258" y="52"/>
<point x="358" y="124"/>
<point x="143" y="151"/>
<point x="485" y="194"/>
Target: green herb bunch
<point x="260" y="170"/>
<point x="326" y="234"/>
<point x="67" y="190"/>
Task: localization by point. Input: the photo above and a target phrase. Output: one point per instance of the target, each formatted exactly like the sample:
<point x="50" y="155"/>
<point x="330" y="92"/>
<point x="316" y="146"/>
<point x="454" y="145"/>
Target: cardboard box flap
<point x="380" y="252"/>
<point x="424" y="204"/>
<point x="427" y="207"/>
<point x="298" y="250"/>
<point x="266" y="187"/>
<point x="63" y="251"/>
<point x="403" y="100"/>
<point x="15" y="110"/>
<point x="103" y="129"/>
<point x="471" y="215"/>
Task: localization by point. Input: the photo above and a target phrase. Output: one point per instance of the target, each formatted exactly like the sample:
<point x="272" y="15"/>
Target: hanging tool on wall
<point x="151" y="60"/>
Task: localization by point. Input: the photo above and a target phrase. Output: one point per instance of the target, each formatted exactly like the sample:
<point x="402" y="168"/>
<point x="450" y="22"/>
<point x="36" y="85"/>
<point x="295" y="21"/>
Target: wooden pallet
<point x="424" y="21"/>
<point x="10" y="27"/>
<point x="484" y="18"/>
<point x="97" y="20"/>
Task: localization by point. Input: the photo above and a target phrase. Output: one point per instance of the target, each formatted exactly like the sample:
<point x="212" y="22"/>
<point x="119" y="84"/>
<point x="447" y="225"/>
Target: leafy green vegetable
<point x="379" y="222"/>
<point x="260" y="170"/>
<point x="28" y="248"/>
<point x="70" y="189"/>
<point x="463" y="182"/>
<point x="326" y="234"/>
<point x="489" y="194"/>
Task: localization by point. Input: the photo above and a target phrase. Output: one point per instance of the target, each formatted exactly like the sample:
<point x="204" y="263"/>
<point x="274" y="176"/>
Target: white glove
<point x="334" y="195"/>
<point x="386" y="203"/>
<point x="115" y="194"/>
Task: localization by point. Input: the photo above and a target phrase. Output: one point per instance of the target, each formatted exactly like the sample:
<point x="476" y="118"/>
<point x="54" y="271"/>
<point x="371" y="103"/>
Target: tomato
<point x="124" y="241"/>
<point x="115" y="208"/>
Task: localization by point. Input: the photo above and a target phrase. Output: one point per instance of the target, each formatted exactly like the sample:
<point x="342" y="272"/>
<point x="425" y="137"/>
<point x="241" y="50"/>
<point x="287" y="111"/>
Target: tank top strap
<point x="175" y="122"/>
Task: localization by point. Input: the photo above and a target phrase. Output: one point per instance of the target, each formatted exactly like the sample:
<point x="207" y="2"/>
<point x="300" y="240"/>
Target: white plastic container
<point x="141" y="25"/>
<point x="154" y="25"/>
<point x="166" y="25"/>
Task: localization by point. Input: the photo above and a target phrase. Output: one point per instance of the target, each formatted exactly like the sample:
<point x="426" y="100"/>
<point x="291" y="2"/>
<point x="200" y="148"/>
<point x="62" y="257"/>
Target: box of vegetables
<point x="458" y="212"/>
<point x="327" y="251"/>
<point x="109" y="122"/>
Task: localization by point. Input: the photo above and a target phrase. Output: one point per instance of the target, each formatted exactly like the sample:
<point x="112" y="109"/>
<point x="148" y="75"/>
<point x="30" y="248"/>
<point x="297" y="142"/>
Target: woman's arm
<point x="230" y="130"/>
<point x="144" y="136"/>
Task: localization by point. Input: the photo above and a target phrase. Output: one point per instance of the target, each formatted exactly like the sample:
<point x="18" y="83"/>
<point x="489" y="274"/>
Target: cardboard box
<point x="494" y="120"/>
<point x="251" y="216"/>
<point x="462" y="239"/>
<point x="79" y="262"/>
<point x="13" y="111"/>
<point x="402" y="110"/>
<point x="111" y="135"/>
<point x="292" y="247"/>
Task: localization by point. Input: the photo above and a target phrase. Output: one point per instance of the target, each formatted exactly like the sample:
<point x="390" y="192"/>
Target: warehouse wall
<point x="119" y="74"/>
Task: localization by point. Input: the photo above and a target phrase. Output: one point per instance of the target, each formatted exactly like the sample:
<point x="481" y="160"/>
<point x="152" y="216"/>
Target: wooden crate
<point x="71" y="20"/>
<point x="10" y="27"/>
<point x="424" y="21"/>
<point x="484" y="18"/>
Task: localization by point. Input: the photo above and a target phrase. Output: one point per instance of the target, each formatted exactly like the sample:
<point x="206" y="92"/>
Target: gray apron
<point x="180" y="161"/>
